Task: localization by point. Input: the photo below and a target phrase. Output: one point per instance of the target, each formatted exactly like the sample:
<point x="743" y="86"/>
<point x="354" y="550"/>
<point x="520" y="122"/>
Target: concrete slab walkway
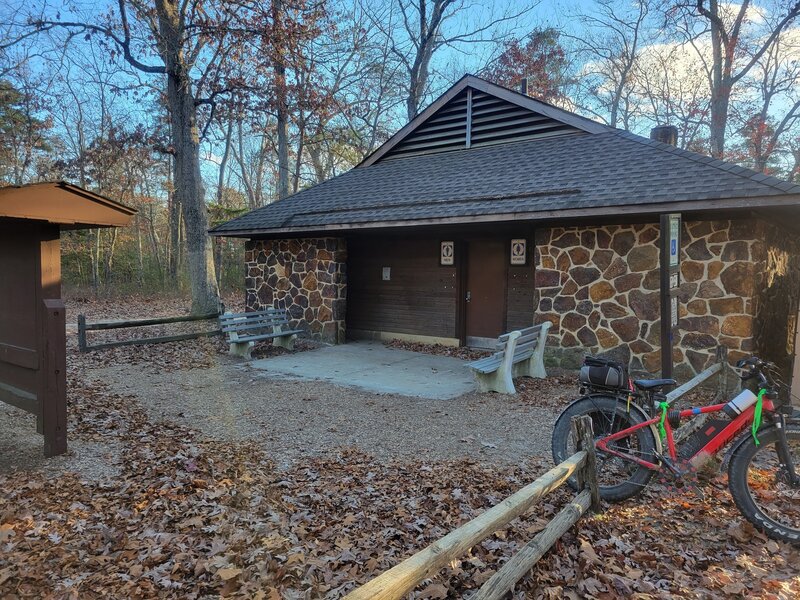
<point x="376" y="368"/>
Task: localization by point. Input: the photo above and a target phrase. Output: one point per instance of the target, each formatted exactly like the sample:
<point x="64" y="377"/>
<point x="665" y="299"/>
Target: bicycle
<point x="762" y="470"/>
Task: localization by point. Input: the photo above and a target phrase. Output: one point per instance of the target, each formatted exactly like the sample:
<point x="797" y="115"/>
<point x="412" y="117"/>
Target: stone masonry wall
<point x="778" y="289"/>
<point x="308" y="277"/>
<point x="599" y="286"/>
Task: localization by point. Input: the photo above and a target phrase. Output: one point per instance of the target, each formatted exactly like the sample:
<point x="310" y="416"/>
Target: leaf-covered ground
<point x="191" y="517"/>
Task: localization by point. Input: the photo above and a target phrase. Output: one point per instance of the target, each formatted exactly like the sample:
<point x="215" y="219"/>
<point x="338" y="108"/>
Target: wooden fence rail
<point x="720" y="367"/>
<point x="401" y="579"/>
<point x="83" y="327"/>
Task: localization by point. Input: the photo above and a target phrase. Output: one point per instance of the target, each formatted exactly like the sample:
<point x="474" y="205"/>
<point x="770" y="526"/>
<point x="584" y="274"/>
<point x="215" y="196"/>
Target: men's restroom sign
<point x="448" y="253"/>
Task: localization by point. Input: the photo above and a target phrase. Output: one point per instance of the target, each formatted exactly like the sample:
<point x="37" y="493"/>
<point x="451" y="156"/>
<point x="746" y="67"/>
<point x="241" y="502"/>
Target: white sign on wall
<point x="448" y="254"/>
<point x="674" y="240"/>
<point x="519" y="251"/>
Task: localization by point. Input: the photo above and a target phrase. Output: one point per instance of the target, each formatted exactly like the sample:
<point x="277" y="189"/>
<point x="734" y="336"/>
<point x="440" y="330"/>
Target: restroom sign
<point x="519" y="252"/>
<point x="448" y="253"/>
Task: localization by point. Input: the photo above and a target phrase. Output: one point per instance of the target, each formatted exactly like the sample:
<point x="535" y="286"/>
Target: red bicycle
<point x="764" y="458"/>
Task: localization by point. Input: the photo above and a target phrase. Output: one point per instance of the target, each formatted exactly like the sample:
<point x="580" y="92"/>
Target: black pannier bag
<point x="604" y="373"/>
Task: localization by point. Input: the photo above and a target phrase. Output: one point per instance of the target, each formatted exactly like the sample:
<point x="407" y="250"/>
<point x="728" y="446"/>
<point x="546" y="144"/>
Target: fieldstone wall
<point x="778" y="292"/>
<point x="599" y="286"/>
<point x="308" y="277"/>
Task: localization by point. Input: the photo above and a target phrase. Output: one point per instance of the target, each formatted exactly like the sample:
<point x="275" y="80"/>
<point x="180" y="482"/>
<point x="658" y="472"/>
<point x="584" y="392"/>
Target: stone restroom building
<point x="492" y="211"/>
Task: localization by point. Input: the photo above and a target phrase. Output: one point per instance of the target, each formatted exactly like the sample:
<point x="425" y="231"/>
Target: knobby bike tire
<point x="613" y="412"/>
<point x="743" y="496"/>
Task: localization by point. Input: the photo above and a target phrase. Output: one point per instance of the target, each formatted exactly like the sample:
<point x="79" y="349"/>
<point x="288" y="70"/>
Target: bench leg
<point x="530" y="368"/>
<point x="241" y="349"/>
<point x="534" y="366"/>
<point x="499" y="381"/>
<point x="285" y="341"/>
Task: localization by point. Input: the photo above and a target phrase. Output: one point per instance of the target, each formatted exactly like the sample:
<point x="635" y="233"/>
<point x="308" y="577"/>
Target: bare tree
<point x="775" y="112"/>
<point x="670" y="88"/>
<point x="418" y="29"/>
<point x="190" y="41"/>
<point x="611" y="41"/>
<point x="737" y="46"/>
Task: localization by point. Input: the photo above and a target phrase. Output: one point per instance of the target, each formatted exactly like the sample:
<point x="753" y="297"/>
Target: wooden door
<point x="485" y="298"/>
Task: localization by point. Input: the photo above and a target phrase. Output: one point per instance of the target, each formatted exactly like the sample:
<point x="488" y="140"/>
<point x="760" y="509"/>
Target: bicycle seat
<point x="652" y="384"/>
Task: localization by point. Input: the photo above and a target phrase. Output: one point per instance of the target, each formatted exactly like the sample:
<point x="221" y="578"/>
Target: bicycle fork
<point x="784" y="455"/>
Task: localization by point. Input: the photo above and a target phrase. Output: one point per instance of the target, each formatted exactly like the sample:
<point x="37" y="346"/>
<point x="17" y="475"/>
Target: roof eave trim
<point x="574" y="213"/>
<point x="108" y="202"/>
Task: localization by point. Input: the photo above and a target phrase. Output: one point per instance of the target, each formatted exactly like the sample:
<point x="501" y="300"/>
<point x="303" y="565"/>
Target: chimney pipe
<point x="523" y="86"/>
<point x="667" y="134"/>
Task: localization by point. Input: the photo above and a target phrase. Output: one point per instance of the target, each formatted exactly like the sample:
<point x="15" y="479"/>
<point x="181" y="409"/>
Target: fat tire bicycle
<point x="631" y="426"/>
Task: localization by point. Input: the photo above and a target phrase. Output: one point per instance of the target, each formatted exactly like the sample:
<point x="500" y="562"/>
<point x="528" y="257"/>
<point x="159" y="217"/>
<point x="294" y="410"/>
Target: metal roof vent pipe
<point x="523" y="86"/>
<point x="667" y="134"/>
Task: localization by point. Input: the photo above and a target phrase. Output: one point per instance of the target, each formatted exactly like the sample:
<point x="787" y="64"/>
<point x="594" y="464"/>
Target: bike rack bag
<point x="603" y="373"/>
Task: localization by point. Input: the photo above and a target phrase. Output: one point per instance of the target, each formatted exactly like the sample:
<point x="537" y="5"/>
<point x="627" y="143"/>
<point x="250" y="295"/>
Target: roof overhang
<point x="63" y="204"/>
<point x="766" y="205"/>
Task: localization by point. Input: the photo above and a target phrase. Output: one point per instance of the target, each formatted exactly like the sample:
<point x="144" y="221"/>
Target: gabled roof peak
<point x="475" y="112"/>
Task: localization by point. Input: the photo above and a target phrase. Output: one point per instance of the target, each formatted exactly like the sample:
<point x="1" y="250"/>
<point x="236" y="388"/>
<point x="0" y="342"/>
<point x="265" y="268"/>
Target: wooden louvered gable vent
<point x="445" y="130"/>
<point x="475" y="119"/>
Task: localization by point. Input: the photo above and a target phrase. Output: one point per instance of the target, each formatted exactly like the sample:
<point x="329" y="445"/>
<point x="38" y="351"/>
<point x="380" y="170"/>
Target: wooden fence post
<point x="82" y="333"/>
<point x="518" y="565"/>
<point x="53" y="378"/>
<point x="398" y="581"/>
<point x="587" y="476"/>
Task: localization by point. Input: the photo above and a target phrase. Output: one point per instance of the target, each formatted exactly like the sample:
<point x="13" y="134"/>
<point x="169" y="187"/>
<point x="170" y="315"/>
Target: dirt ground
<point x="190" y="475"/>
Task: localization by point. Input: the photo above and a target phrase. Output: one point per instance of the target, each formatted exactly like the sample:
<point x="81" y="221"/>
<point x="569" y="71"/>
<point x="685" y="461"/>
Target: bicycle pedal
<point x="673" y="468"/>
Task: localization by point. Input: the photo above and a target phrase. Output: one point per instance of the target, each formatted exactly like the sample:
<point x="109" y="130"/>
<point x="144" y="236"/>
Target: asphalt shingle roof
<point x="612" y="169"/>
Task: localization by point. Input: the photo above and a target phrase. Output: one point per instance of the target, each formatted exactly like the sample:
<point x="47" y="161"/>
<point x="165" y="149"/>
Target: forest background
<point x="194" y="112"/>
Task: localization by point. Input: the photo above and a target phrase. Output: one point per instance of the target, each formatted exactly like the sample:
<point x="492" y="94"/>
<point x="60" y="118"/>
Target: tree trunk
<point x="108" y="258"/>
<point x="95" y="253"/>
<point x="719" y="122"/>
<point x="224" y="162"/>
<point x="282" y="108"/>
<point x="174" y="236"/>
<point x="187" y="181"/>
<point x="139" y="247"/>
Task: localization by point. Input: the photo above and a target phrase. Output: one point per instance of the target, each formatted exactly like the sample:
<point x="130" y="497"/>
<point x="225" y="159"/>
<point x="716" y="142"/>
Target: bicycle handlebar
<point x="755" y="367"/>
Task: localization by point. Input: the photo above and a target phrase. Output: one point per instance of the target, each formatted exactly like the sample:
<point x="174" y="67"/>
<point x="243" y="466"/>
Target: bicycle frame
<point x="713" y="446"/>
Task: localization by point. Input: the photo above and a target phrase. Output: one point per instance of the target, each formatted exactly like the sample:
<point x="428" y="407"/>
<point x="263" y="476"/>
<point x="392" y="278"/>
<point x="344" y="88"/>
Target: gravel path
<point x="21" y="450"/>
<point x="296" y="419"/>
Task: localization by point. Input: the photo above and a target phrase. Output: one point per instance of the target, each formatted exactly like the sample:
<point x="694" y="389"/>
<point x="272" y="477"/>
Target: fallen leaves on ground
<point x="190" y="517"/>
<point x="553" y="392"/>
<point x="462" y="352"/>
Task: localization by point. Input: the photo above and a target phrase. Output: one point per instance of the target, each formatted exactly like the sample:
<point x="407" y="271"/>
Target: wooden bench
<point x="518" y="354"/>
<point x="244" y="329"/>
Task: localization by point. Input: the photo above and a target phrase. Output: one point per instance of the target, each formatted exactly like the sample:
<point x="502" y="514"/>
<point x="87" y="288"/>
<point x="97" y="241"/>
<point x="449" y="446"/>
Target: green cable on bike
<point x="757" y="415"/>
<point x="661" y="428"/>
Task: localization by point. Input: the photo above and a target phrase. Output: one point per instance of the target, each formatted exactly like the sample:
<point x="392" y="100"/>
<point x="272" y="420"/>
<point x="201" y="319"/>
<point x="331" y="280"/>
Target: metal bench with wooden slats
<point x="244" y="329"/>
<point x="518" y="354"/>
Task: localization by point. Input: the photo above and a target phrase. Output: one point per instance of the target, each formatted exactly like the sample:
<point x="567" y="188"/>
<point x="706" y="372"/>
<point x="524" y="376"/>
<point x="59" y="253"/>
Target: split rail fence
<point x="401" y="579"/>
<point x="83" y="327"/>
<point x="720" y="367"/>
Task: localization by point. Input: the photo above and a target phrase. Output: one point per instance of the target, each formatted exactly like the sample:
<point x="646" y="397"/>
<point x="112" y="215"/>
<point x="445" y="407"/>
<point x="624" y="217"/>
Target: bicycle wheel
<point x="760" y="486"/>
<point x="617" y="478"/>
